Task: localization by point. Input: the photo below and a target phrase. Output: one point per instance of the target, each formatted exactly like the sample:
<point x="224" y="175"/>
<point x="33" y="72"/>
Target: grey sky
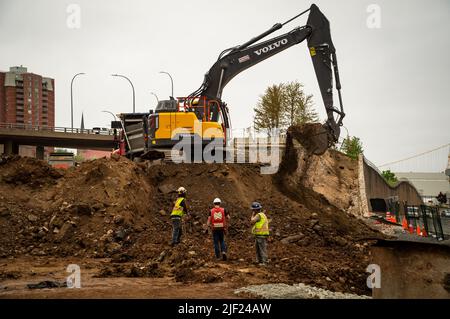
<point x="395" y="79"/>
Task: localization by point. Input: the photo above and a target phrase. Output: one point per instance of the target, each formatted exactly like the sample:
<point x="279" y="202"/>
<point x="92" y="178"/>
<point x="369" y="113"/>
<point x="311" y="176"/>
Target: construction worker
<point x="260" y="230"/>
<point x="178" y="211"/>
<point x="218" y="220"/>
<point x="441" y="198"/>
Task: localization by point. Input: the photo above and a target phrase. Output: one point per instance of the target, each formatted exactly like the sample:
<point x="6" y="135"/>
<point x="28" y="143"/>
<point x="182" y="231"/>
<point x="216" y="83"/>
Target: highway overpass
<point x="13" y="135"/>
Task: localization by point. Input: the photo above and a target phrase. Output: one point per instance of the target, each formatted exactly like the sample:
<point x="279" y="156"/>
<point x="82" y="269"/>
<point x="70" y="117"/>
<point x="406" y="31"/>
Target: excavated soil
<point x="119" y="210"/>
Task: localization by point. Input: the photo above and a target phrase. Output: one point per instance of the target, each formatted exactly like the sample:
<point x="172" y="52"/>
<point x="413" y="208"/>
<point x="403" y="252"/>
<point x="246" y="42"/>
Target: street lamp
<point x="71" y="99"/>
<point x="156" y="96"/>
<point x="115" y="118"/>
<point x="132" y="86"/>
<point x="171" y="80"/>
<point x="348" y="135"/>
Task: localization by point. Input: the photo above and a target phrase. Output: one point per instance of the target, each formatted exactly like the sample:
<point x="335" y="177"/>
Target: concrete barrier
<point x="373" y="185"/>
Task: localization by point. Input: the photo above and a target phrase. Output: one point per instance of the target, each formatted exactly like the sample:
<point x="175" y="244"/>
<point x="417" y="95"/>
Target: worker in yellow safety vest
<point x="261" y="232"/>
<point x="178" y="211"/>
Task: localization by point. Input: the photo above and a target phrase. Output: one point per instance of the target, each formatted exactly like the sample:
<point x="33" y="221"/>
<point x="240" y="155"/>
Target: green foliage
<point x="79" y="158"/>
<point x="352" y="147"/>
<point x="389" y="177"/>
<point x="298" y="106"/>
<point x="269" y="110"/>
<point x="284" y="105"/>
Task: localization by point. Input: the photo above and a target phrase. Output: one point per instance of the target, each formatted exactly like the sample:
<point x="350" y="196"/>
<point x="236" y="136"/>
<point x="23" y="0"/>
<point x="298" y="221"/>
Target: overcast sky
<point x="395" y="79"/>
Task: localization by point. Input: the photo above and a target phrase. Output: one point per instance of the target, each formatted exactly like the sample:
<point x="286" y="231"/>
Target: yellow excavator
<point x="203" y="117"/>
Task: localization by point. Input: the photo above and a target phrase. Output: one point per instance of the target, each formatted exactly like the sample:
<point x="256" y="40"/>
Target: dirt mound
<point x="18" y="170"/>
<point x="320" y="182"/>
<point x="118" y="209"/>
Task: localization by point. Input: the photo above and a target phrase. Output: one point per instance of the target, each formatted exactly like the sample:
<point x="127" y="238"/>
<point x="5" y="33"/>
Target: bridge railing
<point x="46" y="128"/>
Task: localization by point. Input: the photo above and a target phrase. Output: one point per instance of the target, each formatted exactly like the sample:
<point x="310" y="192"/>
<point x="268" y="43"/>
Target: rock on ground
<point x="296" y="291"/>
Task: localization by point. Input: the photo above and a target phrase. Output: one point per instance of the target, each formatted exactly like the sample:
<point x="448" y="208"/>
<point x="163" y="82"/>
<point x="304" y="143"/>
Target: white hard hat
<point x="217" y="201"/>
<point x="181" y="190"/>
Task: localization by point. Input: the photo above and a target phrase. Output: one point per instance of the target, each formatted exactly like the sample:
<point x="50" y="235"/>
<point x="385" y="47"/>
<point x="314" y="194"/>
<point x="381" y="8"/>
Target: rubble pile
<point x="118" y="209"/>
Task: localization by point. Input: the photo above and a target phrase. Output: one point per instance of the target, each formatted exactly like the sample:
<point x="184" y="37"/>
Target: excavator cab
<point x="197" y="119"/>
<point x="166" y="106"/>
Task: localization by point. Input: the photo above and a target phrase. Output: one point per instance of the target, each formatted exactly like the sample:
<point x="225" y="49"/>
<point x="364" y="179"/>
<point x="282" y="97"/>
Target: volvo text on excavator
<point x="204" y="115"/>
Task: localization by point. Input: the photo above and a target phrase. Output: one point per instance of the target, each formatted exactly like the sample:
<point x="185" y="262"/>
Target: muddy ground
<point x="112" y="217"/>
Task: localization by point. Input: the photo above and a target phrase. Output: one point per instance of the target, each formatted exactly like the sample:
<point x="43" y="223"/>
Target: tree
<point x="389" y="177"/>
<point x="297" y="106"/>
<point x="269" y="110"/>
<point x="79" y="158"/>
<point x="352" y="147"/>
<point x="284" y="105"/>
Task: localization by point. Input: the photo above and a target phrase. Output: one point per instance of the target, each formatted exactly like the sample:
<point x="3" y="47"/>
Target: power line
<point x="417" y="155"/>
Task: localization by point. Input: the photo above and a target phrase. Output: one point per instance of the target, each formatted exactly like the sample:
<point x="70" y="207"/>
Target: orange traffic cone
<point x="388" y="216"/>
<point x="404" y="224"/>
<point x="411" y="228"/>
<point x="418" y="232"/>
<point x="424" y="233"/>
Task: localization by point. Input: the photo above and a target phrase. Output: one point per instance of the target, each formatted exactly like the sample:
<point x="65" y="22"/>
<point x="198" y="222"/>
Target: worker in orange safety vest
<point x="218" y="220"/>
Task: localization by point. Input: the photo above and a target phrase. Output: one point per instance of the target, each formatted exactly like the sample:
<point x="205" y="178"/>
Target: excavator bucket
<point x="319" y="141"/>
<point x="312" y="136"/>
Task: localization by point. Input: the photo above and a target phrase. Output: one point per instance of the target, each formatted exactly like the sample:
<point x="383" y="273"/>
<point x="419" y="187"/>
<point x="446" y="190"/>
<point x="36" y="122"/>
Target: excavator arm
<point x="233" y="61"/>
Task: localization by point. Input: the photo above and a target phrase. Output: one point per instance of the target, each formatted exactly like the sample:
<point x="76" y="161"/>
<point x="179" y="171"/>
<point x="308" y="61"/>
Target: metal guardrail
<point x="372" y="165"/>
<point x="428" y="218"/>
<point x="45" y="128"/>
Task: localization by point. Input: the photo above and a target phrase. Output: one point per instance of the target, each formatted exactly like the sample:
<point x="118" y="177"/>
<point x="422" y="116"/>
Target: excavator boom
<point x="233" y="61"/>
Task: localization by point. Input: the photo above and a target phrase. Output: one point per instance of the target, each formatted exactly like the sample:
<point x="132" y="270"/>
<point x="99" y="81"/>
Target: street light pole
<point x="156" y="96"/>
<point x="171" y="80"/>
<point x="115" y="118"/>
<point x="132" y="86"/>
<point x="71" y="99"/>
<point x="348" y="135"/>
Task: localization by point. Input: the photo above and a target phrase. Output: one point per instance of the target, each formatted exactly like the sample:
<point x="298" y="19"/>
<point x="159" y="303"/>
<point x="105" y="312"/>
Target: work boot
<point x="224" y="256"/>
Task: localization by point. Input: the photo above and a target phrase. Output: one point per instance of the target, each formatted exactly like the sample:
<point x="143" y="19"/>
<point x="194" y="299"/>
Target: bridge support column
<point x="11" y="148"/>
<point x="40" y="152"/>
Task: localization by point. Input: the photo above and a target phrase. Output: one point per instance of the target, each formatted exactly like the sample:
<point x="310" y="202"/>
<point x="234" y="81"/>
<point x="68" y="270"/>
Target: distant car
<point x="445" y="213"/>
<point x="99" y="130"/>
<point x="413" y="212"/>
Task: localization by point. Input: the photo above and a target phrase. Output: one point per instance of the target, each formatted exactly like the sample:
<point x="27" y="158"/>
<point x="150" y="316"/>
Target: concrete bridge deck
<point x="13" y="135"/>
